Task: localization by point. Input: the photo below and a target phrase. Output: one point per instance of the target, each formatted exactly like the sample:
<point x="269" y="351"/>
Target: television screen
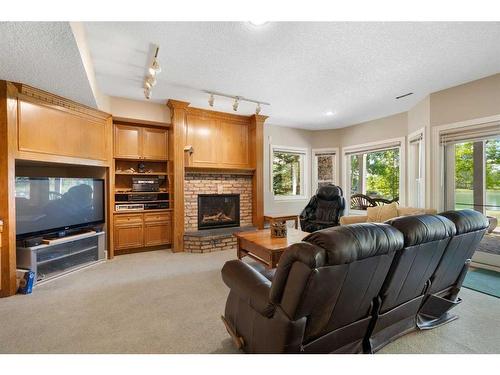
<point x="50" y="204"/>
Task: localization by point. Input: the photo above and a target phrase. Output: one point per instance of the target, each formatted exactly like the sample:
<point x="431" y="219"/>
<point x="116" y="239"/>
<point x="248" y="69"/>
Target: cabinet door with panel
<point x="232" y="146"/>
<point x="157" y="229"/>
<point x="202" y="134"/>
<point x="128" y="236"/>
<point x="154" y="144"/>
<point x="156" y="234"/>
<point x="128" y="142"/>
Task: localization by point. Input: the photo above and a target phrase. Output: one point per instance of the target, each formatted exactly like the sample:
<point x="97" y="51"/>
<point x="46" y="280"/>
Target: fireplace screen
<point x="218" y="210"/>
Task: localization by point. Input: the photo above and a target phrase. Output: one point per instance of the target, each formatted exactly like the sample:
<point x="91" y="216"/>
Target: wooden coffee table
<point x="260" y="246"/>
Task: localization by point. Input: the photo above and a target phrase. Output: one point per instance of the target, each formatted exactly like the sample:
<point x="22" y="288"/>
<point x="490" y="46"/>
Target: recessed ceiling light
<point x="257" y="23"/>
<point x="330" y="113"/>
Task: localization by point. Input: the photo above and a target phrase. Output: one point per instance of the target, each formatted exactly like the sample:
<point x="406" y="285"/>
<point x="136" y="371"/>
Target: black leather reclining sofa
<point x="354" y="288"/>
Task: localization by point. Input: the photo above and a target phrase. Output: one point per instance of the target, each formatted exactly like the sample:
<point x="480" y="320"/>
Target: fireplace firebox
<point x="218" y="211"/>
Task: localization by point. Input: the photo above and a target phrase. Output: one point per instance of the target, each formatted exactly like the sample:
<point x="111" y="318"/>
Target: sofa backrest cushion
<point x="467" y="220"/>
<point x="346" y="244"/>
<point x="425" y="239"/>
<point x="418" y="229"/>
<point x="471" y="227"/>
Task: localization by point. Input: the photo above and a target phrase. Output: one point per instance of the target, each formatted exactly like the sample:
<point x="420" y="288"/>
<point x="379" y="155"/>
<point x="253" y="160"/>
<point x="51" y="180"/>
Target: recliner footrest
<point x="434" y="312"/>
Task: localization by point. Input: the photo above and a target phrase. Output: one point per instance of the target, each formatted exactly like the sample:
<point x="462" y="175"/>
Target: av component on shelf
<point x="156" y="206"/>
<point x="129" y="207"/>
<point x="131" y="197"/>
<point x="30" y="242"/>
<point x="145" y="184"/>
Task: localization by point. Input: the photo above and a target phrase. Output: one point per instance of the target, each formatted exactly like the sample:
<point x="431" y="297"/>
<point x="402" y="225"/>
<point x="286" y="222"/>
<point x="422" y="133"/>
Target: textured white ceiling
<point x="303" y="69"/>
<point x="44" y="55"/>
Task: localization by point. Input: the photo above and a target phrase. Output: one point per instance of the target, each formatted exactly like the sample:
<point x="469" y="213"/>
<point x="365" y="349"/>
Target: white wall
<point x="291" y="137"/>
<point x="139" y="109"/>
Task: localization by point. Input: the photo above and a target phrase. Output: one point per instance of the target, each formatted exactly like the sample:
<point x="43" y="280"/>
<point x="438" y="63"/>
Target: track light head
<point x="151" y="80"/>
<point x="257" y="109"/>
<point x="155" y="66"/>
<point x="235" y="104"/>
<point x="211" y="100"/>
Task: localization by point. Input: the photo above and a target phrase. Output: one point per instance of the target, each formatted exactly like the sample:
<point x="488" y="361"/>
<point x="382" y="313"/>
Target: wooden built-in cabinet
<point x="1" y="230"/>
<point x="202" y="134"/>
<point x="134" y="231"/>
<point x="216" y="143"/>
<point x="127" y="142"/>
<point x="137" y="142"/>
<point x="146" y="144"/>
<point x="157" y="229"/>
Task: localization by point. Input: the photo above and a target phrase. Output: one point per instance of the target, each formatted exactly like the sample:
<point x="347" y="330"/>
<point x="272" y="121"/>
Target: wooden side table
<point x="277" y="218"/>
<point x="260" y="246"/>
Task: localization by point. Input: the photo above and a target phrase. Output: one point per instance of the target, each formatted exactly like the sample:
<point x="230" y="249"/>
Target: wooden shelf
<point x="142" y="211"/>
<point x="142" y="174"/>
<point x="142" y="160"/>
<point x="141" y="192"/>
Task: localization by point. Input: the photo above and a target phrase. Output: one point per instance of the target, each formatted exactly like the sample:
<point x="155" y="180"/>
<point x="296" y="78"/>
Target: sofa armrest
<point x="248" y="284"/>
<point x="353" y="219"/>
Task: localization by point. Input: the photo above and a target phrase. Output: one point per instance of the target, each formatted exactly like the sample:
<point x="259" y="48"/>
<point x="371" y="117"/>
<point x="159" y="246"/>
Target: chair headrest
<point x="329" y="192"/>
<point x="346" y="244"/>
<point x="467" y="220"/>
<point x="419" y="229"/>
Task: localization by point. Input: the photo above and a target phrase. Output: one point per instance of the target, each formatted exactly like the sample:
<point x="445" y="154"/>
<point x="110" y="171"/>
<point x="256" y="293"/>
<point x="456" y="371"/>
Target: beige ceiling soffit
<point x="102" y="100"/>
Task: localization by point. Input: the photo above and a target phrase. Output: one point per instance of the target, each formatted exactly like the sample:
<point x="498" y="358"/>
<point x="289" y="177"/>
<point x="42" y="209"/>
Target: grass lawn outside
<point x="464" y="199"/>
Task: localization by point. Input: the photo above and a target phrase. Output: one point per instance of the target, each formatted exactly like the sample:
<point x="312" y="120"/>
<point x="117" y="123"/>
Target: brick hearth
<point x="213" y="183"/>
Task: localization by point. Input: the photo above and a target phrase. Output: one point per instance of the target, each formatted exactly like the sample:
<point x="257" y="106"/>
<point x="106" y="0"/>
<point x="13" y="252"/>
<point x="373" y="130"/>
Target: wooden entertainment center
<point x="145" y="142"/>
<point x="42" y="134"/>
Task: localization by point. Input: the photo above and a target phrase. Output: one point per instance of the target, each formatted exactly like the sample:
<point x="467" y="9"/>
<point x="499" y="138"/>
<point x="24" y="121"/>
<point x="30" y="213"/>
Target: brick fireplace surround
<point x="214" y="183"/>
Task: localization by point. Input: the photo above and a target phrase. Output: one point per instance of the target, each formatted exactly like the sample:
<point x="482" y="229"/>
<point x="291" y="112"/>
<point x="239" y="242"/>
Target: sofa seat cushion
<point x="380" y="214"/>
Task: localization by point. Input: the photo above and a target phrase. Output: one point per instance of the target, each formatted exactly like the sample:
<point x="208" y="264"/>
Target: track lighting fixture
<point x="153" y="70"/>
<point x="237" y="100"/>
<point x="151" y="80"/>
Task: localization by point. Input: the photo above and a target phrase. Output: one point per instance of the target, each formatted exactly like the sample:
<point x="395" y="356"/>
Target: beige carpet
<point x="160" y="302"/>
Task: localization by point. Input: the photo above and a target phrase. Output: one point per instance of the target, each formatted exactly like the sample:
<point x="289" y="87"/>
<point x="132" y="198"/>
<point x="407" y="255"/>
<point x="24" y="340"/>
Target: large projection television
<point x="46" y="205"/>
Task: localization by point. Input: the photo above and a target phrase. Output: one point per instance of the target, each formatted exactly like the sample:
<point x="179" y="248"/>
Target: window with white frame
<point x="416" y="169"/>
<point x="472" y="169"/>
<point x="375" y="171"/>
<point x="324" y="167"/>
<point x="288" y="174"/>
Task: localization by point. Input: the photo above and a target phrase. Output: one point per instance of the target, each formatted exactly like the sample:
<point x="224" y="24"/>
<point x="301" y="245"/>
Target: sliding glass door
<point x="472" y="181"/>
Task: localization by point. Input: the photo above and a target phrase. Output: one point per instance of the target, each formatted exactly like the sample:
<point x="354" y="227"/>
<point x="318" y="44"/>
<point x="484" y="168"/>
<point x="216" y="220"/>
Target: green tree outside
<point x="286" y="173"/>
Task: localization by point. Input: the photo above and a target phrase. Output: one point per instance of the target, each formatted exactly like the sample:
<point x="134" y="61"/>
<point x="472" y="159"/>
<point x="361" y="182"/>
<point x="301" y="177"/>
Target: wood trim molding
<point x="59" y="101"/>
<point x="177" y="104"/>
<point x="127" y="121"/>
<point x="178" y="121"/>
<point x="218" y="115"/>
<point x="256" y="143"/>
<point x="8" y="140"/>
